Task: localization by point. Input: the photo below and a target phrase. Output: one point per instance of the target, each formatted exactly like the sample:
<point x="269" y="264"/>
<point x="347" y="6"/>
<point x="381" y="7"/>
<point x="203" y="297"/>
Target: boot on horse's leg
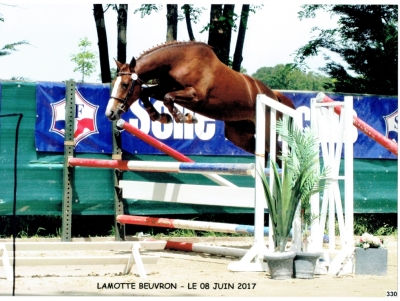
<point x="187" y="94"/>
<point x="178" y="116"/>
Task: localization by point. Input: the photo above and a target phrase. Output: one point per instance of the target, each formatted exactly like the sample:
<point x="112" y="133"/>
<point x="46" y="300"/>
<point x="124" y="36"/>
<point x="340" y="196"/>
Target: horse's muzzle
<point x="112" y="115"/>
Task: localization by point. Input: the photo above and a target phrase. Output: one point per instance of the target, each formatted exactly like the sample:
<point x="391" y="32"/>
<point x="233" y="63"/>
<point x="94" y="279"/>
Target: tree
<point x="290" y="77"/>
<point x="237" y="57"/>
<point x="366" y="38"/>
<point x="147" y="9"/>
<point x="191" y="13"/>
<point x="122" y="22"/>
<point x="222" y="20"/>
<point x="172" y="22"/>
<point x="9" y="48"/>
<point x="244" y="16"/>
<point x="85" y="60"/>
<point x="98" y="14"/>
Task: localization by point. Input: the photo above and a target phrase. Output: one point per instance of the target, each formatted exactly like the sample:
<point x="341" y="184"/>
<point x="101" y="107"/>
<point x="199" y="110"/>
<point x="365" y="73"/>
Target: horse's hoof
<point x="191" y="119"/>
<point x="165" y="118"/>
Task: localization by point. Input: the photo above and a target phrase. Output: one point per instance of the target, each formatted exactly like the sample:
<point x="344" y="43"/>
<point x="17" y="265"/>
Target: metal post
<point x="69" y="145"/>
<point x="118" y="204"/>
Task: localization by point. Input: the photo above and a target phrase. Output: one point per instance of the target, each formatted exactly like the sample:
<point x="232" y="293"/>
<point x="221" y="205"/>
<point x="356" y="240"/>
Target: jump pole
<point x="192" y="225"/>
<point x="185" y="224"/>
<point x="122" y="124"/>
<point x="199" y="248"/>
<point x="363" y="127"/>
<point x="155" y="166"/>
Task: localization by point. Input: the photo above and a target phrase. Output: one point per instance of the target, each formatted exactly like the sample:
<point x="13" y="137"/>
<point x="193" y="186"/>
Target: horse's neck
<point x="155" y="61"/>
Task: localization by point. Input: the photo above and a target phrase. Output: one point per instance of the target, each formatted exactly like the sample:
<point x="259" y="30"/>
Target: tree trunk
<point x="186" y="9"/>
<point x="102" y="43"/>
<point x="220" y="31"/>
<point x="238" y="57"/>
<point x="213" y="35"/>
<point x="122" y="25"/>
<point x="172" y="22"/>
<point x="227" y="33"/>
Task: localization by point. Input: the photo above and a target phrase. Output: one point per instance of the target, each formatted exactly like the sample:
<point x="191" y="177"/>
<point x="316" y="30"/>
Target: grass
<point x="92" y="226"/>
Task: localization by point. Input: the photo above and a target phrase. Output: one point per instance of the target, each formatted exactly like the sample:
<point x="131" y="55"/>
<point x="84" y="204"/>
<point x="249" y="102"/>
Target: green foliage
<point x="376" y="224"/>
<point x="97" y="225"/>
<point x="290" y="77"/>
<point x="9" y="48"/>
<point x="85" y="60"/>
<point x="194" y="12"/>
<point x="366" y="38"/>
<point x="147" y="9"/>
<point x="20" y="78"/>
<point x="301" y="179"/>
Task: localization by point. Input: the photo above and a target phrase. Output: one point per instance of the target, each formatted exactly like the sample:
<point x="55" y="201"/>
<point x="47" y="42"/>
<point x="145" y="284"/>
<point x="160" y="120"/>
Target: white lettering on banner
<point x="204" y="129"/>
<point x="392" y="125"/>
<point x="305" y="114"/>
<point x="142" y="121"/>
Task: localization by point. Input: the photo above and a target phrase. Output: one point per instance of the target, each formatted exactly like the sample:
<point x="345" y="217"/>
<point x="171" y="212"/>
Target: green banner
<point x="40" y="185"/>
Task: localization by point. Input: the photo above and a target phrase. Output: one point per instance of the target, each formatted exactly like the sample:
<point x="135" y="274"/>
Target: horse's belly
<point x="225" y="111"/>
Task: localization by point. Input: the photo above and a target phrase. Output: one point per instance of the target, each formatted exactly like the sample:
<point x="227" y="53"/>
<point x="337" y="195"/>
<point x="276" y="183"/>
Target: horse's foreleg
<point x="187" y="94"/>
<point x="151" y="110"/>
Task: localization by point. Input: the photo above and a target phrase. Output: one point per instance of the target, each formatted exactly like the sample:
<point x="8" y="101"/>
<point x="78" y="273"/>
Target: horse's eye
<point x="125" y="86"/>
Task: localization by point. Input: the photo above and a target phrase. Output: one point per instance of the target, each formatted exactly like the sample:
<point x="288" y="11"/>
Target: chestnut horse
<point x="190" y="75"/>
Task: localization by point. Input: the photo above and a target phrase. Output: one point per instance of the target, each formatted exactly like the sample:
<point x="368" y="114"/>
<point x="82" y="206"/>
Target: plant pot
<point x="304" y="264"/>
<point x="280" y="264"/>
<point x="371" y="261"/>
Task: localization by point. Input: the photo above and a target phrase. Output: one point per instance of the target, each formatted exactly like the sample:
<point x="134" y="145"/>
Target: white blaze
<point x="113" y="93"/>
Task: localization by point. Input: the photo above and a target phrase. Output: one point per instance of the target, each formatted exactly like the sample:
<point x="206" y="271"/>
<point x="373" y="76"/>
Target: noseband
<point x="123" y="101"/>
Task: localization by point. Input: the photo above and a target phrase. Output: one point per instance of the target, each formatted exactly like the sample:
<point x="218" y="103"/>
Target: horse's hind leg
<point x="187" y="94"/>
<point x="241" y="133"/>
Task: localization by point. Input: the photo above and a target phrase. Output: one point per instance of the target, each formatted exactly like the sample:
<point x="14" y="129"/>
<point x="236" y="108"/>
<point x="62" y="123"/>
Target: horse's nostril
<point x="110" y="115"/>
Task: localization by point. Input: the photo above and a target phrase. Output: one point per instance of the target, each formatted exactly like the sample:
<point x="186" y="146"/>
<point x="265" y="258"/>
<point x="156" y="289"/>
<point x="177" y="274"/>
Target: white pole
<point x="272" y="156"/>
<point x="349" y="183"/>
<point x="316" y="237"/>
<point x="260" y="201"/>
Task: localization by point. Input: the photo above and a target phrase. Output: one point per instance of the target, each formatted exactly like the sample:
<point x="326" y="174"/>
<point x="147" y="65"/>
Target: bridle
<point x="122" y="106"/>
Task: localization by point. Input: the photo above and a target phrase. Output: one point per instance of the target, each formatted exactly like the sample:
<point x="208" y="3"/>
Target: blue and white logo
<point x="85" y="118"/>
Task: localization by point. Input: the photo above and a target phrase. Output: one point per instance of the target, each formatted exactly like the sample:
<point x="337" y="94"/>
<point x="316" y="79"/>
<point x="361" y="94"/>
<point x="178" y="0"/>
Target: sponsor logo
<point x="85" y="118"/>
<point x="204" y="130"/>
<point x="391" y="121"/>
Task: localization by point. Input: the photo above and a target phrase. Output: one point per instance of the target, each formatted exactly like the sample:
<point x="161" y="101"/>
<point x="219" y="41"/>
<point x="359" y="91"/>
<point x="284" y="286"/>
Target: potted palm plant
<point x="300" y="180"/>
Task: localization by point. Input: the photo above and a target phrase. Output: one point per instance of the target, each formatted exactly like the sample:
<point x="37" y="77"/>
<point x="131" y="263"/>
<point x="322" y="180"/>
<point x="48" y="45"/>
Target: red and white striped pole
<point x="152" y="141"/>
<point x="363" y="127"/>
<point x="168" y="150"/>
<point x="212" y="250"/>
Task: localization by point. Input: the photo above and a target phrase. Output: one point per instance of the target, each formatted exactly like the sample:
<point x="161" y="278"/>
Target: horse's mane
<point x="169" y="44"/>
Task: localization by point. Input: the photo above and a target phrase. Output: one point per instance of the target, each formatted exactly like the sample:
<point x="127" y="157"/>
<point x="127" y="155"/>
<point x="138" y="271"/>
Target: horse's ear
<point x="119" y="65"/>
<point x="132" y="64"/>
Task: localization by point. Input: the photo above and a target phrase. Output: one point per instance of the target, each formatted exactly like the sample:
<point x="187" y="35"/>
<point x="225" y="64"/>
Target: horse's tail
<point x="284" y="99"/>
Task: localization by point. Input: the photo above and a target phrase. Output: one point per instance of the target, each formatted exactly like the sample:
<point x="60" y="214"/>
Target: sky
<point x="54" y="29"/>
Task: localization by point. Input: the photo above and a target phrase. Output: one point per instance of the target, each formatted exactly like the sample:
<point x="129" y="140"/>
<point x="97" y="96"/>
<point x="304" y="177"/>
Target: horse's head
<point x="126" y="90"/>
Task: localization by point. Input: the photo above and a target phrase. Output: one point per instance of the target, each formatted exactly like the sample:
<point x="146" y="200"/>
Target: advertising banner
<point x="93" y="130"/>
